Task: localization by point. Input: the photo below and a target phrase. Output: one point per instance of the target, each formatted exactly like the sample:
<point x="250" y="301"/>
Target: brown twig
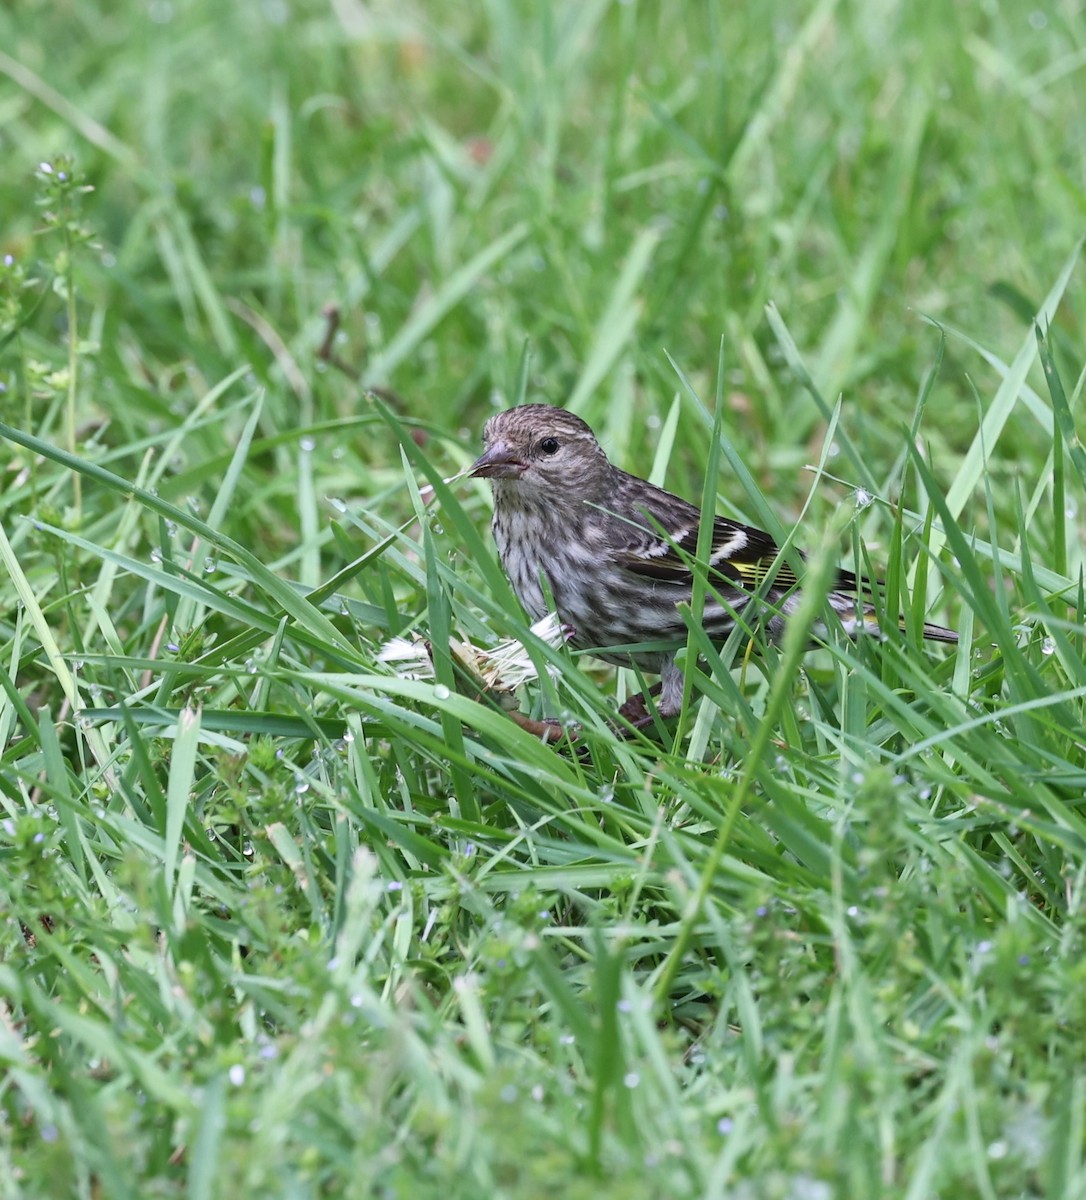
<point x="326" y="352"/>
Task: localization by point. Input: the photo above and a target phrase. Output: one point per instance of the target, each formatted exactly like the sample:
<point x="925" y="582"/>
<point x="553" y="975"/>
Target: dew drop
<point x="441" y="692"/>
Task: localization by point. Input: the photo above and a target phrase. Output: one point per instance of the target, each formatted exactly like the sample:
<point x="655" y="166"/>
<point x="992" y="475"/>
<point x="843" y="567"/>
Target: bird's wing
<point x="739" y="555"/>
<point x="663" y="542"/>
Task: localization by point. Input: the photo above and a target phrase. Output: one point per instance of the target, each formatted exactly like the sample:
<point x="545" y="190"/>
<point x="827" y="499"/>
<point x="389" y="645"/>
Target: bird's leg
<point x="671" y="689"/>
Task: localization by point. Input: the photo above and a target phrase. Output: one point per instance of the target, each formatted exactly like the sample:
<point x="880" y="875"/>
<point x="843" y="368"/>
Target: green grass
<point x="280" y="923"/>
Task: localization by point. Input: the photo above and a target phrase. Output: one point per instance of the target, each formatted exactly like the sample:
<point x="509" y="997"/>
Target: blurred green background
<point x="860" y="166"/>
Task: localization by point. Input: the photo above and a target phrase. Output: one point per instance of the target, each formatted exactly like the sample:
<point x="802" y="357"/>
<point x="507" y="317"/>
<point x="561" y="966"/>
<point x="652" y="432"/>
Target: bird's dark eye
<point x="549" y="445"/>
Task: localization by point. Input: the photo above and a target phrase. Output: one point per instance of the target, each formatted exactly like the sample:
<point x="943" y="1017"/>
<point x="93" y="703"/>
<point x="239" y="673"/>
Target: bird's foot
<point x="635" y="711"/>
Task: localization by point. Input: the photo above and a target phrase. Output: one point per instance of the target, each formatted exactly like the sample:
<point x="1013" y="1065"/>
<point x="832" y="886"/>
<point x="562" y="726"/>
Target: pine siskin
<point x="606" y="547"/>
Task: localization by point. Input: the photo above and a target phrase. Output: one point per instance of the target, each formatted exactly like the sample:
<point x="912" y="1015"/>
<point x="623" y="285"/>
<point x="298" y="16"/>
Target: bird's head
<point x="542" y="452"/>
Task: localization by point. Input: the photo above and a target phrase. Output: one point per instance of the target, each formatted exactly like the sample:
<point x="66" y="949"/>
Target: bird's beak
<point x="499" y="462"/>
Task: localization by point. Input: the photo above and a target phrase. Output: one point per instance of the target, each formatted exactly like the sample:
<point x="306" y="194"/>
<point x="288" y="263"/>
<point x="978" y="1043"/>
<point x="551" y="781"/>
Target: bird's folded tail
<point x="847" y="581"/>
<point x="932" y="633"/>
<point x="938" y="633"/>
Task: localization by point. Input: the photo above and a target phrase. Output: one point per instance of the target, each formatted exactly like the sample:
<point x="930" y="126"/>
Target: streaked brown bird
<point x="613" y="551"/>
